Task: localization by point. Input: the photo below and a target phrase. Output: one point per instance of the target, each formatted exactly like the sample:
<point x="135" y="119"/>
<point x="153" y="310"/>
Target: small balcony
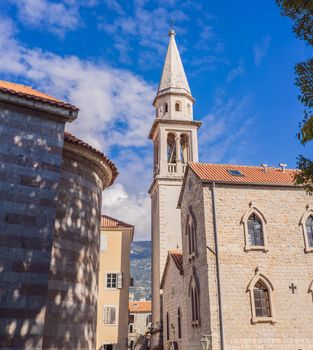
<point x="176" y="168"/>
<point x="172" y="168"/>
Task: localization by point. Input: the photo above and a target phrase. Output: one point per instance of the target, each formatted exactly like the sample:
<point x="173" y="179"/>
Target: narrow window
<point x="167" y="327"/>
<point x="195" y="312"/>
<point x="261" y="300"/>
<point x="309" y="230"/>
<point x="177" y="107"/>
<point x="165" y="108"/>
<point x="255" y="231"/>
<point x="109" y="315"/>
<point x="196" y="304"/>
<point x="191" y="234"/>
<point x="179" y="322"/>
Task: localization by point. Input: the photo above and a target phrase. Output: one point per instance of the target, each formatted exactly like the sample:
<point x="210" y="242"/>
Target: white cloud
<point x="55" y="17"/>
<point x="132" y="209"/>
<point x="115" y="113"/>
<point x="260" y="50"/>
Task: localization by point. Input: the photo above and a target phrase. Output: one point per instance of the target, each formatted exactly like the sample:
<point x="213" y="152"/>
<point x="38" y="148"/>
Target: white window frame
<point x="244" y="221"/>
<point x="119" y="280"/>
<point x="305" y="216"/>
<point x="270" y="288"/>
<point x="116" y="315"/>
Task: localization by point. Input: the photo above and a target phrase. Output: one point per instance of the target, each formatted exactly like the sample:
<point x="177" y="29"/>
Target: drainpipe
<point x="219" y="294"/>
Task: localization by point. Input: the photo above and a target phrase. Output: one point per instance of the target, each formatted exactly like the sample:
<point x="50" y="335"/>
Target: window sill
<point x="308" y="249"/>
<point x="256" y="247"/>
<point x="262" y="320"/>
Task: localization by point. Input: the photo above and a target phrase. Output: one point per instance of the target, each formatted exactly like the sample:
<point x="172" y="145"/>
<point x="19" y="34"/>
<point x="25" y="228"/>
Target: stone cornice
<point x="173" y="122"/>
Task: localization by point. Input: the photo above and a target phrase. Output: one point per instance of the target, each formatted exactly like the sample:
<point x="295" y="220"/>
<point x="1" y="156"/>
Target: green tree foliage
<point x="301" y="13"/>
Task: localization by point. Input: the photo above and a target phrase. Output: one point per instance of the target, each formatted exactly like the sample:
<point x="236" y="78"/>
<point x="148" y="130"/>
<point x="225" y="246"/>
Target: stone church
<point x="232" y="244"/>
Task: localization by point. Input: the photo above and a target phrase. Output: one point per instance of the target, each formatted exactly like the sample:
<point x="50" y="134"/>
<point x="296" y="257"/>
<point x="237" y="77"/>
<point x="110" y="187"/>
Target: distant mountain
<point x="140" y="270"/>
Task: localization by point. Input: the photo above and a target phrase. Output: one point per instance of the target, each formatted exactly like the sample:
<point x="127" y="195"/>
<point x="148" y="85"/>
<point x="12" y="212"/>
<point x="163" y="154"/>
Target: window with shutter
<point x="103" y="243"/>
<point x="109" y="315"/>
<point x="120" y="280"/>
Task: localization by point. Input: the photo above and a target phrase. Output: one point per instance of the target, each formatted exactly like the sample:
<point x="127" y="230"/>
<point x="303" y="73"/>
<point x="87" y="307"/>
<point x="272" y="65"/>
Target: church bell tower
<point x="174" y="137"/>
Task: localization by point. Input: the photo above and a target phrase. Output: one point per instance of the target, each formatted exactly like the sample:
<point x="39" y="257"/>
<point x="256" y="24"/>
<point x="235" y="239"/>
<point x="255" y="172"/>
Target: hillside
<point x="140" y="269"/>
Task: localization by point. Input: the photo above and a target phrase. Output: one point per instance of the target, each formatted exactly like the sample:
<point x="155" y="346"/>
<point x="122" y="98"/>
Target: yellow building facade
<point x="113" y="288"/>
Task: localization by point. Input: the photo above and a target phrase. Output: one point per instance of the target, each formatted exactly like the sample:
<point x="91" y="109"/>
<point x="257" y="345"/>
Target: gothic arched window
<point x="179" y="322"/>
<point x="194" y="302"/>
<point x="255" y="231"/>
<point x="262" y="303"/>
<point x="309" y="230"/>
<point x="191" y="235"/>
<point x="261" y="298"/>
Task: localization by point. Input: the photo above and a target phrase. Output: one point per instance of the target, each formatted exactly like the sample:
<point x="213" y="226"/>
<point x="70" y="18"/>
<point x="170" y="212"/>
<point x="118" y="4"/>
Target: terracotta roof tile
<point x="250" y="174"/>
<point x="140" y="306"/>
<point x="107" y="221"/>
<point x="28" y="92"/>
<point x="73" y="139"/>
<point x="177" y="257"/>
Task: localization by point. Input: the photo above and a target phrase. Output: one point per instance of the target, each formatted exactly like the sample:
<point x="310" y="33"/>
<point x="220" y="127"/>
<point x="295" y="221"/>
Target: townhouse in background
<point x="140" y="319"/>
<point x="51" y="187"/>
<point x="114" y="279"/>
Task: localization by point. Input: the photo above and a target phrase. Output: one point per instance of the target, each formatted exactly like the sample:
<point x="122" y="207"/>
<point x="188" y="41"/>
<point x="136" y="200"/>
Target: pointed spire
<point x="173" y="76"/>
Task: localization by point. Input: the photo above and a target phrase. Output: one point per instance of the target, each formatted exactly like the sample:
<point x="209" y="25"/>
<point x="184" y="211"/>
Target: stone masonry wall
<point x="30" y="159"/>
<point x="284" y="263"/>
<point x="173" y="298"/>
<point x="73" y="280"/>
<point x="193" y="199"/>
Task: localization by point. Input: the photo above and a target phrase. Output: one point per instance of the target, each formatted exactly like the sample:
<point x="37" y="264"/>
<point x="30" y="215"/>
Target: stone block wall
<point x="30" y="160"/>
<point x="174" y="298"/>
<point x="73" y="281"/>
<point x="284" y="263"/>
<point x="193" y="199"/>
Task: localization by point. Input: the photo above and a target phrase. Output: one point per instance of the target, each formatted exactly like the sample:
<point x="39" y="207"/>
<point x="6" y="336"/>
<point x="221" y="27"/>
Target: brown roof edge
<point x="29" y="93"/>
<point x="76" y="141"/>
<point x="118" y="223"/>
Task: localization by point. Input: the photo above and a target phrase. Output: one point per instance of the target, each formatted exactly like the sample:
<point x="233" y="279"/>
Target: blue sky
<point x="106" y="57"/>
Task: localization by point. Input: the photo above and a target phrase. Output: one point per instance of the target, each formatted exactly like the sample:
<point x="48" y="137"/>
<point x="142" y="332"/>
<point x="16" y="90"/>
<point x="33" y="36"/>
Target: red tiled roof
<point x="73" y="139"/>
<point x="107" y="221"/>
<point x="177" y="257"/>
<point x="30" y="93"/>
<point x="139" y="306"/>
<point x="251" y="174"/>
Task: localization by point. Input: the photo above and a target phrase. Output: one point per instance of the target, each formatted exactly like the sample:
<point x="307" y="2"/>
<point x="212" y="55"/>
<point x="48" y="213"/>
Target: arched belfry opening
<point x="171" y="148"/>
<point x="184" y="148"/>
